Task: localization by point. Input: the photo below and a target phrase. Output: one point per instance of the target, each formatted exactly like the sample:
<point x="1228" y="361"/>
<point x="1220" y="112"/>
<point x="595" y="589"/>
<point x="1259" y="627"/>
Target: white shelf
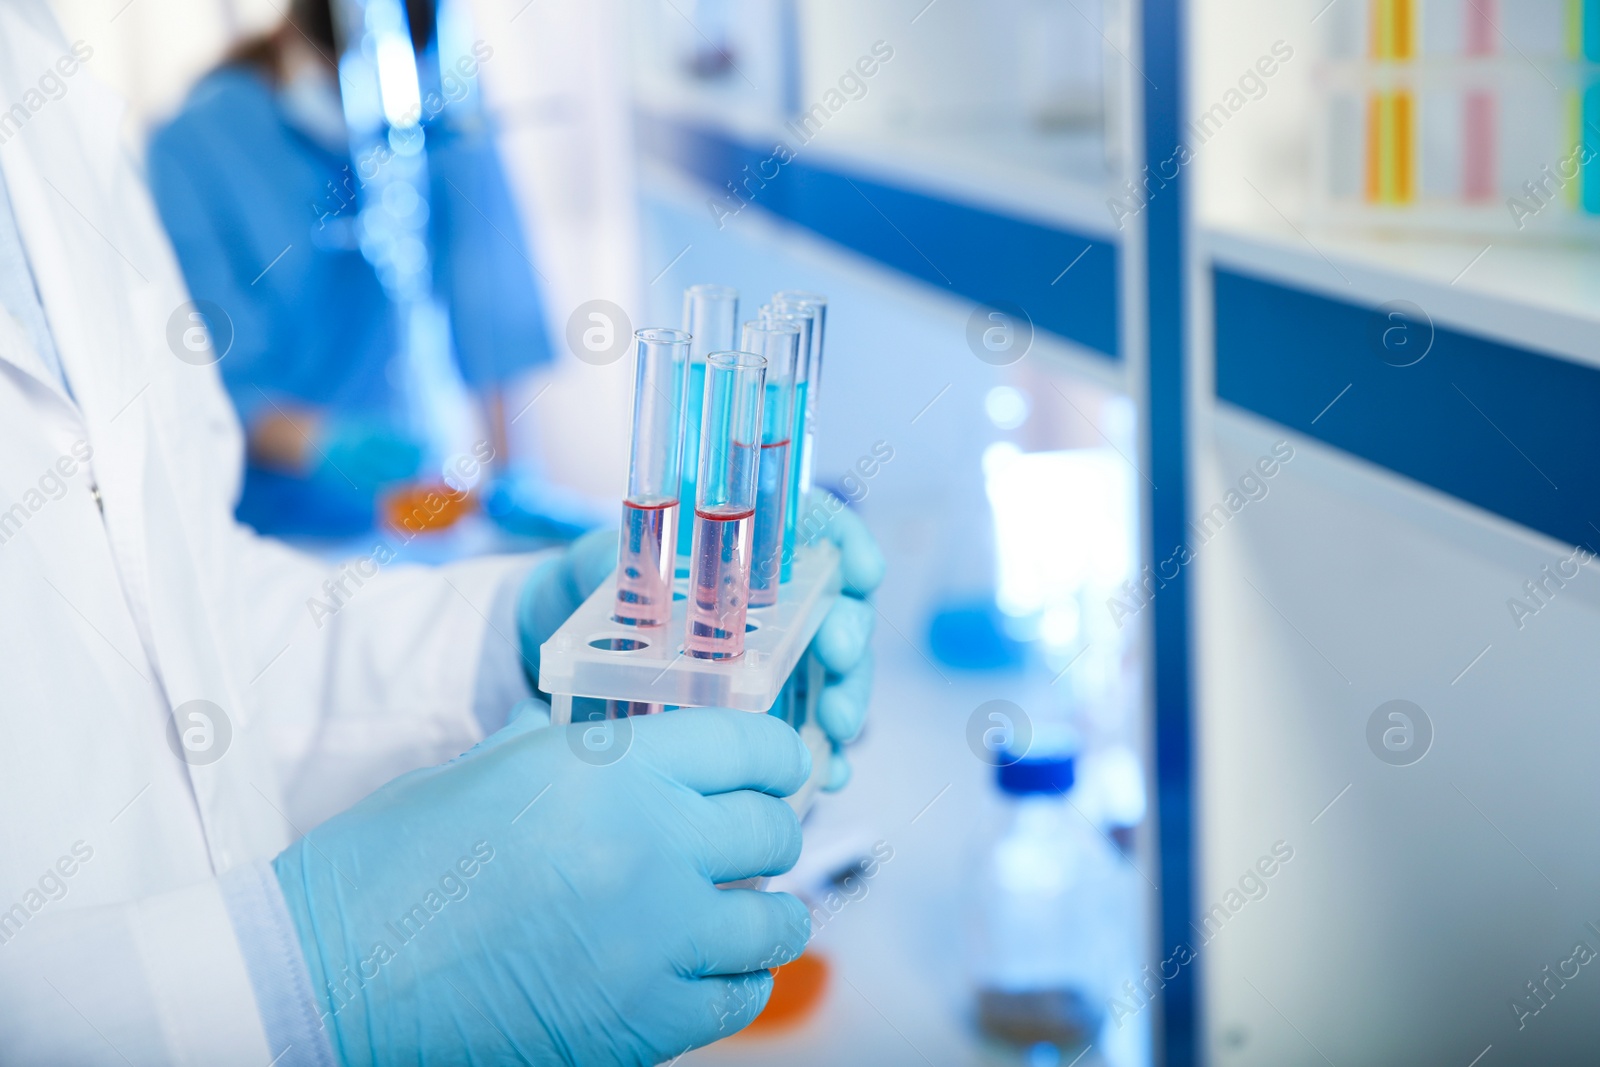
<point x="1060" y="180"/>
<point x="1544" y="297"/>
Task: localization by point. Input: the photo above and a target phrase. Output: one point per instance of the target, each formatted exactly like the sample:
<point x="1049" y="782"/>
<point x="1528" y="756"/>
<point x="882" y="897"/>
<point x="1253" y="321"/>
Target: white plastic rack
<point x="592" y="656"/>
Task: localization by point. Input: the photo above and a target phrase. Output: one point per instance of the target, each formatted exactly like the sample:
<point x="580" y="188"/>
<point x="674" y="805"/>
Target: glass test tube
<point x="725" y="505"/>
<point x="806" y="319"/>
<point x="779" y="343"/>
<point x="710" y="315"/>
<point x="794" y="300"/>
<point x="647" y="548"/>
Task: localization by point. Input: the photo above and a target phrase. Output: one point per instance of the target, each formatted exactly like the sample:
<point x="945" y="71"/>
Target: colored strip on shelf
<point x="1498" y="427"/>
<point x="1572" y="104"/>
<point x="1480" y="36"/>
<point x="1394" y="27"/>
<point x="1065" y="281"/>
<point x="1372" y="185"/>
<point x="1405" y="29"/>
<point x="1590" y="161"/>
<point x="1478" y="179"/>
<point x="1391" y="147"/>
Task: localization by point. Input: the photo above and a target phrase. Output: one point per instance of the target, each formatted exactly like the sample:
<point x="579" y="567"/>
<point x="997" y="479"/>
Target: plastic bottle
<point x="1047" y="918"/>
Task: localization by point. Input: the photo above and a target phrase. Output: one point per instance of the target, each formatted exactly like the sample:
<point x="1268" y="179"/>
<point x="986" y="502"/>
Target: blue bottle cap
<point x="1032" y="776"/>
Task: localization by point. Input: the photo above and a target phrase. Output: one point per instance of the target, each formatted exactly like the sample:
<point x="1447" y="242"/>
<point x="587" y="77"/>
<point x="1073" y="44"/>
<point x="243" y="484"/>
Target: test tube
<point x="806" y="404"/>
<point x="779" y="343"/>
<point x="710" y="315"/>
<point x="804" y="317"/>
<point x="725" y="505"/>
<point x="646" y="550"/>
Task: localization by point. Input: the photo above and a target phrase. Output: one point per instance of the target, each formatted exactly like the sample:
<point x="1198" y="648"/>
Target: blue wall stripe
<point x="1512" y="431"/>
<point x="1167" y="219"/>
<point x="983" y="255"/>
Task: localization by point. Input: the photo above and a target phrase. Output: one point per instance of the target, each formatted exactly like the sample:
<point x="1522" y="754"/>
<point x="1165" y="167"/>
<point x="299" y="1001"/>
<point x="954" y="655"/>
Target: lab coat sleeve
<point x="349" y="675"/>
<point x="277" y="965"/>
<point x="358" y="673"/>
<point x="159" y="980"/>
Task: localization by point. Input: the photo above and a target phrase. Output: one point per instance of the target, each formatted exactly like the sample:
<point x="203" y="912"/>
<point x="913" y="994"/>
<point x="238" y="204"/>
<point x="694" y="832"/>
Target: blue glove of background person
<point x="843" y="643"/>
<point x="542" y="899"/>
<point x="369" y="452"/>
<point x="527" y="506"/>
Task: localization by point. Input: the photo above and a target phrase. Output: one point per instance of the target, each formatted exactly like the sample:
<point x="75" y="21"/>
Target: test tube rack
<point x="594" y="656"/>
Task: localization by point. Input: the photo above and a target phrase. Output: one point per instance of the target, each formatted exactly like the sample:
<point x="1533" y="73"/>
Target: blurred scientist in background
<point x="255" y="182"/>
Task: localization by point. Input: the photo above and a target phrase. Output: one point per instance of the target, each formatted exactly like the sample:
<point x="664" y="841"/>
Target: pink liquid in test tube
<point x="725" y="506"/>
<point x="647" y="547"/>
<point x="644" y="563"/>
<point x="719" y="592"/>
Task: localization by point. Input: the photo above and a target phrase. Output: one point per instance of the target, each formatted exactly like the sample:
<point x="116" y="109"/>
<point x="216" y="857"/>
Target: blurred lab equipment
<point x="1052" y="910"/>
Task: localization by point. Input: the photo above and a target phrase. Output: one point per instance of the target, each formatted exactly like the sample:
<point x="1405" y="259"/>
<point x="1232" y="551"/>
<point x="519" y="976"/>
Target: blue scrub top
<point x="263" y="219"/>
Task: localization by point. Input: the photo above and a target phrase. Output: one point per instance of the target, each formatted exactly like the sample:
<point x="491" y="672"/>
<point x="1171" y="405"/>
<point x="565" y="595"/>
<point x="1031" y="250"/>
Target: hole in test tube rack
<point x="618" y="644"/>
<point x="751" y="627"/>
<point x="679" y="596"/>
<point x="681" y="572"/>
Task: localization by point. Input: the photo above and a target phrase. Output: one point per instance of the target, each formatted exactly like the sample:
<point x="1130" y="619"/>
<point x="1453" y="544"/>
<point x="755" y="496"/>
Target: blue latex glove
<point x="529" y="507"/>
<point x="369" y="452"/>
<point x="844" y="641"/>
<point x="543" y="900"/>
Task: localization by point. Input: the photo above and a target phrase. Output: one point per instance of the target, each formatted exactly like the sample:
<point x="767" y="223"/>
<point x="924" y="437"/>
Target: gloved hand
<point x="543" y="899"/>
<point x="531" y="507"/>
<point x="556" y="589"/>
<point x="367" y="451"/>
<point x="843" y="643"/>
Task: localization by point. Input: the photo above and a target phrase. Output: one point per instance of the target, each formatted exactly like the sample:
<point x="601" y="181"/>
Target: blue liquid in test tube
<point x="813" y="306"/>
<point x="709" y="315"/>
<point x="778" y="342"/>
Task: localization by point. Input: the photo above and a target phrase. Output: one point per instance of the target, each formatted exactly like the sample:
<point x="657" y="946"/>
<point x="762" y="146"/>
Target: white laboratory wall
<point x="151" y="51"/>
<point x="558" y="85"/>
<point x="1252" y="159"/>
<point x="952" y="69"/>
<point x="727" y="57"/>
<point x="1018" y="85"/>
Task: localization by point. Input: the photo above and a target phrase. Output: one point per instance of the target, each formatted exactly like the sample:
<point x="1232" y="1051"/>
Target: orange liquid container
<point x="797" y="990"/>
<point x="424" y="508"/>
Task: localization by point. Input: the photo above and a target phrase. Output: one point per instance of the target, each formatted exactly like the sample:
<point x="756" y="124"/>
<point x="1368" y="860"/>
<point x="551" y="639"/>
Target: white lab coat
<point x="107" y="621"/>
